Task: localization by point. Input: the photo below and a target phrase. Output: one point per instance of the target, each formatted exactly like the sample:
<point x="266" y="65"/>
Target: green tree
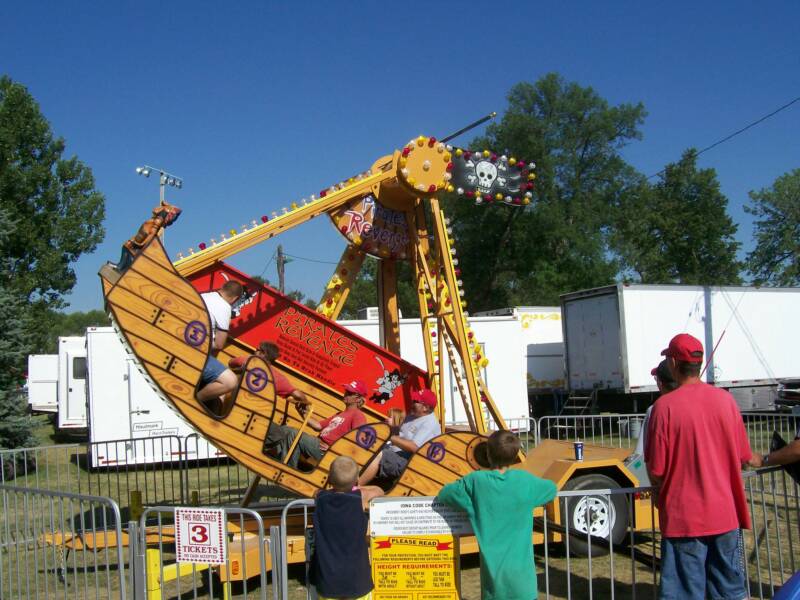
<point x="560" y="242"/>
<point x="52" y="200"/>
<point x="776" y="257"/>
<point x="364" y="291"/>
<point x="50" y="214"/>
<point x="15" y="344"/>
<point x="678" y="229"/>
<point x="74" y="323"/>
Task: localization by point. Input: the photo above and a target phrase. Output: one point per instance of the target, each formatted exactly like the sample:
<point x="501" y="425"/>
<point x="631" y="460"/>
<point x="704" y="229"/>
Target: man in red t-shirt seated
<point x="280" y="436"/>
<point x="268" y="352"/>
<point x="332" y="428"/>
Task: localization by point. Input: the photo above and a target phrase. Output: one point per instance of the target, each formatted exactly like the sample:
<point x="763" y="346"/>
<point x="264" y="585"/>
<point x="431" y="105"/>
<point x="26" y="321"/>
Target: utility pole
<point x="281" y="263"/>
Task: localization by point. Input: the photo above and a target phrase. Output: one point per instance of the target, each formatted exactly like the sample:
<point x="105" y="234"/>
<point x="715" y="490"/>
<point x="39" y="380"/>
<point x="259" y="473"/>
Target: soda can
<point x="578" y="450"/>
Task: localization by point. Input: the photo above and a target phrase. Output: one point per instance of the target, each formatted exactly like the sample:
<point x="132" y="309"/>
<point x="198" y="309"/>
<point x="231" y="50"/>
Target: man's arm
<point x="404" y="444"/>
<point x="302" y="403"/>
<point x="788" y="454"/>
<point x="299" y="396"/>
<point x="220" y="338"/>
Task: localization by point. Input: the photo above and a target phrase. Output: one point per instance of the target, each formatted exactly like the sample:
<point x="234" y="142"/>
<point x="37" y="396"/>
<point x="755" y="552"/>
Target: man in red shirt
<point x="332" y="428"/>
<point x="280" y="436"/>
<point x="695" y="449"/>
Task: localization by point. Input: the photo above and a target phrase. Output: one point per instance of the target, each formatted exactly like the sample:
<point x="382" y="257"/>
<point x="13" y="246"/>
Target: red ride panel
<point x="315" y="346"/>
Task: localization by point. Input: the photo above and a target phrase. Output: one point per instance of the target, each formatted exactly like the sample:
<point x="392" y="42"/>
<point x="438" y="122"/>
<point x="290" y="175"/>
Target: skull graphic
<point x="487" y="173"/>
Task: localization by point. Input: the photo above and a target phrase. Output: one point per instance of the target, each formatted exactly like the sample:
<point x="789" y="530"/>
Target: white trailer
<point x="72" y="382"/>
<point x="42" y="383"/>
<point x="614" y="336"/>
<point x="129" y="423"/>
<point x="501" y="340"/>
<point x="542" y="343"/>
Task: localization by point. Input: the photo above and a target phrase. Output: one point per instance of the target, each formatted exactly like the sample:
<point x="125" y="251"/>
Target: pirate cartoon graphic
<point x="387" y="384"/>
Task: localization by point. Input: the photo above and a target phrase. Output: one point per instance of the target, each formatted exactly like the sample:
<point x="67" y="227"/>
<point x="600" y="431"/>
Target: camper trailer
<point x="128" y="421"/>
<point x="71" y="386"/>
<point x="42" y="383"/>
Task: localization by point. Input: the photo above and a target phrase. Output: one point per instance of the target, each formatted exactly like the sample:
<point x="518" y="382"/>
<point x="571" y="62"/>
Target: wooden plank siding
<point x="166" y="326"/>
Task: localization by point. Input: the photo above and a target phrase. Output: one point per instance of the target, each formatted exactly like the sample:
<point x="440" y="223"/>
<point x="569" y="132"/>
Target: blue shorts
<point x="700" y="567"/>
<point x="211" y="371"/>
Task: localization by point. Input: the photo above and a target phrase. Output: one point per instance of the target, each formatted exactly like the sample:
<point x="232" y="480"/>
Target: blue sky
<point x="258" y="104"/>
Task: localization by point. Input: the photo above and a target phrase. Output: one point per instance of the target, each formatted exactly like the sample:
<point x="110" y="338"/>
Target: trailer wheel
<point x="598" y="515"/>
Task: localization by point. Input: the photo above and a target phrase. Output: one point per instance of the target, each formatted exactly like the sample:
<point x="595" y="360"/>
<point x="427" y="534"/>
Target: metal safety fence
<point x="606" y="544"/>
<point x="60" y="545"/>
<point x="165" y="470"/>
<point x="600" y="543"/>
<point x="614" y="430"/>
<point x="244" y="574"/>
<point x="623" y="430"/>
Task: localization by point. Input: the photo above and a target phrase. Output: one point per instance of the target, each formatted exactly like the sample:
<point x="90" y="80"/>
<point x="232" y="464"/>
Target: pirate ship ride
<point x="390" y="212"/>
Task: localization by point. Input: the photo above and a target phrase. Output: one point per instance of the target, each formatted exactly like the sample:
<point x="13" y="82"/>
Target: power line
<point x="324" y="262"/>
<point x="266" y="266"/>
<point x="753" y="124"/>
<point x="739" y="131"/>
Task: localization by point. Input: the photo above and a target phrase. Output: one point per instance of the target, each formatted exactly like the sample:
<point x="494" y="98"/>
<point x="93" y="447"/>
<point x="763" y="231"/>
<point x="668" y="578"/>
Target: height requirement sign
<point x="414" y="550"/>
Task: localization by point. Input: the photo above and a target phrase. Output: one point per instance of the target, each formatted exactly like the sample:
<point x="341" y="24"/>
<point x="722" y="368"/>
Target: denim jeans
<point x="700" y="567"/>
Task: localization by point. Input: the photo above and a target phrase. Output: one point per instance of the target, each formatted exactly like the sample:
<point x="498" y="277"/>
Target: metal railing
<point x="760" y="428"/>
<point x="55" y="545"/>
<point x="60" y="545"/>
<point x="242" y="576"/>
<point x="592" y="562"/>
<point x="623" y="430"/>
<point x="115" y="468"/>
<point x="72" y="540"/>
<point x="614" y="430"/>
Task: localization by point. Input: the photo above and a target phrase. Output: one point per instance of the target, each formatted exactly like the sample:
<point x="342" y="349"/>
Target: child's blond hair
<point x="344" y="474"/>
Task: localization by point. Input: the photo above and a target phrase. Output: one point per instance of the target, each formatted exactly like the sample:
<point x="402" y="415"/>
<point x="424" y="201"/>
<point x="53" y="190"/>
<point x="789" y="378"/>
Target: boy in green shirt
<point x="499" y="504"/>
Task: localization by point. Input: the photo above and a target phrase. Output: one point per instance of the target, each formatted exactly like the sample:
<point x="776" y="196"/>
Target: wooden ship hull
<point x="165" y="325"/>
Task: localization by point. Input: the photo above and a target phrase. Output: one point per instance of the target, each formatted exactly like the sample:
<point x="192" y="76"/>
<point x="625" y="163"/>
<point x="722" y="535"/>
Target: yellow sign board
<point x="415" y="567"/>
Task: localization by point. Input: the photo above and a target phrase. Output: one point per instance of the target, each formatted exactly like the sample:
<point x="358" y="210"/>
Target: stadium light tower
<point x="164" y="179"/>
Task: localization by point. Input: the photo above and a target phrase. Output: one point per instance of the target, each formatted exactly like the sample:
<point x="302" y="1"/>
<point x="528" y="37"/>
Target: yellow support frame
<point x="404" y="181"/>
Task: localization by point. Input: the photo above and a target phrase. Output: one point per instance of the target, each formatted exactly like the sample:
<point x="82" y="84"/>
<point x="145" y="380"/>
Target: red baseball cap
<point x="684" y="347"/>
<point x="356" y="387"/>
<point x="424" y="396"/>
